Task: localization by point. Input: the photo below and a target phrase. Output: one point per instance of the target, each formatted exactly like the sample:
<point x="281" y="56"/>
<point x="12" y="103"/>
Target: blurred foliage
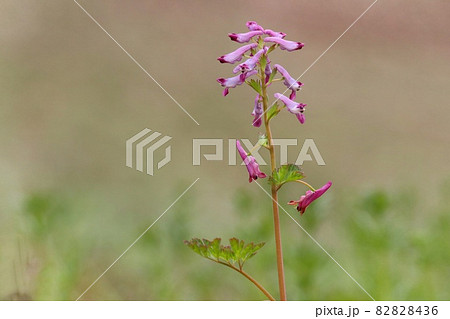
<point x="391" y="244"/>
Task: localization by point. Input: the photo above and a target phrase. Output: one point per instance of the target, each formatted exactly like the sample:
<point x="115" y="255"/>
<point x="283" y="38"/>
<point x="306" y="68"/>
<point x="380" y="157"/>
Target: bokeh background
<point x="378" y="109"/>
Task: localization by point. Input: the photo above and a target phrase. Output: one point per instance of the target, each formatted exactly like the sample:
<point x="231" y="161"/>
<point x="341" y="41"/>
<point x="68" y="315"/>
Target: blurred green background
<point x="378" y="111"/>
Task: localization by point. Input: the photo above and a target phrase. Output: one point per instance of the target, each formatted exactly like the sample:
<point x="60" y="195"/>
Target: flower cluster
<point x="263" y="42"/>
<point x="257" y="44"/>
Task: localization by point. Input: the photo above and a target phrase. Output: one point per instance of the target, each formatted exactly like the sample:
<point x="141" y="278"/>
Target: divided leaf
<point x="256" y="85"/>
<point x="236" y="253"/>
<point x="286" y="173"/>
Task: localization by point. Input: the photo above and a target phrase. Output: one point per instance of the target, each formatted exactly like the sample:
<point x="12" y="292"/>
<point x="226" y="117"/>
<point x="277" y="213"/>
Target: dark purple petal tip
<point x="233" y="36"/>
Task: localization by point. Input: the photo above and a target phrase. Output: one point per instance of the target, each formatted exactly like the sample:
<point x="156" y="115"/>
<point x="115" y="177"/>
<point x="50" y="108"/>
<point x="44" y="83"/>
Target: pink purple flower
<point x="285" y="44"/>
<point x="292" y="106"/>
<point x="244" y="37"/>
<point x="289" y="81"/>
<point x="274" y="34"/>
<point x="257" y="112"/>
<point x="252" y="166"/>
<point x="268" y="71"/>
<point x="309" y="197"/>
<point x="250" y="64"/>
<point x="253" y="26"/>
<point x="236" y="55"/>
<point x="234" y="81"/>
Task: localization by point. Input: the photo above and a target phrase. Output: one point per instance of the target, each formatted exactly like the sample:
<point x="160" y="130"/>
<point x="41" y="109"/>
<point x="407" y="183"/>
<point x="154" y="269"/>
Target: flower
<point x="235" y="80"/>
<point x="267" y="71"/>
<point x="289" y="81"/>
<point x="236" y="55"/>
<point x="292" y="106"/>
<point x="257" y="112"/>
<point x="244" y="37"/>
<point x="250" y="162"/>
<point x="285" y="44"/>
<point x="250" y="64"/>
<point x="309" y="197"/>
<point x="253" y="26"/>
<point x="274" y="34"/>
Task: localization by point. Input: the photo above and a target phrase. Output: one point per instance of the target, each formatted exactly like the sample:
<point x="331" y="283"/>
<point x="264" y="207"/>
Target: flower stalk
<point x="274" y="193"/>
<point x="253" y="280"/>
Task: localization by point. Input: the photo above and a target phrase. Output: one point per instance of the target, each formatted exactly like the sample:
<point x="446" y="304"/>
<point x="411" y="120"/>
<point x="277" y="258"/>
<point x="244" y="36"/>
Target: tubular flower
<point x="292" y="106"/>
<point x="274" y="34"/>
<point x="236" y="55"/>
<point x="309" y="197"/>
<point x="250" y="64"/>
<point x="253" y="26"/>
<point x="257" y="112"/>
<point x="244" y="37"/>
<point x="289" y="81"/>
<point x="268" y="71"/>
<point x="250" y="162"/>
<point x="285" y="44"/>
<point x="235" y="80"/>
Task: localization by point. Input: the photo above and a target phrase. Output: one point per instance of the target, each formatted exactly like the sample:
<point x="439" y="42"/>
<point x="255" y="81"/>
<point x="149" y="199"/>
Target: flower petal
<point x="236" y="55"/>
<point x="253" y="26"/>
<point x="285" y="44"/>
<point x="244" y="37"/>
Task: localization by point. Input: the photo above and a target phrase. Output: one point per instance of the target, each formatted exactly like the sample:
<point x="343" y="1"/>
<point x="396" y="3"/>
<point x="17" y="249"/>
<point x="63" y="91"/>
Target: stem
<point x="276" y="215"/>
<point x="242" y="272"/>
<point x="305" y="183"/>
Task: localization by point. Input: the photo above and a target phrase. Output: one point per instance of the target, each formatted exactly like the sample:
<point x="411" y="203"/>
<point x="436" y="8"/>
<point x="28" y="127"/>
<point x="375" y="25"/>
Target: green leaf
<point x="273" y="111"/>
<point x="236" y="253"/>
<point x="255" y="84"/>
<point x="260" y="43"/>
<point x="272" y="47"/>
<point x="272" y="75"/>
<point x="286" y="173"/>
<point x="263" y="61"/>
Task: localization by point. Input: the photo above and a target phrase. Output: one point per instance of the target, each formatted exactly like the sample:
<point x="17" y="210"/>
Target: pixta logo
<point x="308" y="148"/>
<point x="145" y="148"/>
